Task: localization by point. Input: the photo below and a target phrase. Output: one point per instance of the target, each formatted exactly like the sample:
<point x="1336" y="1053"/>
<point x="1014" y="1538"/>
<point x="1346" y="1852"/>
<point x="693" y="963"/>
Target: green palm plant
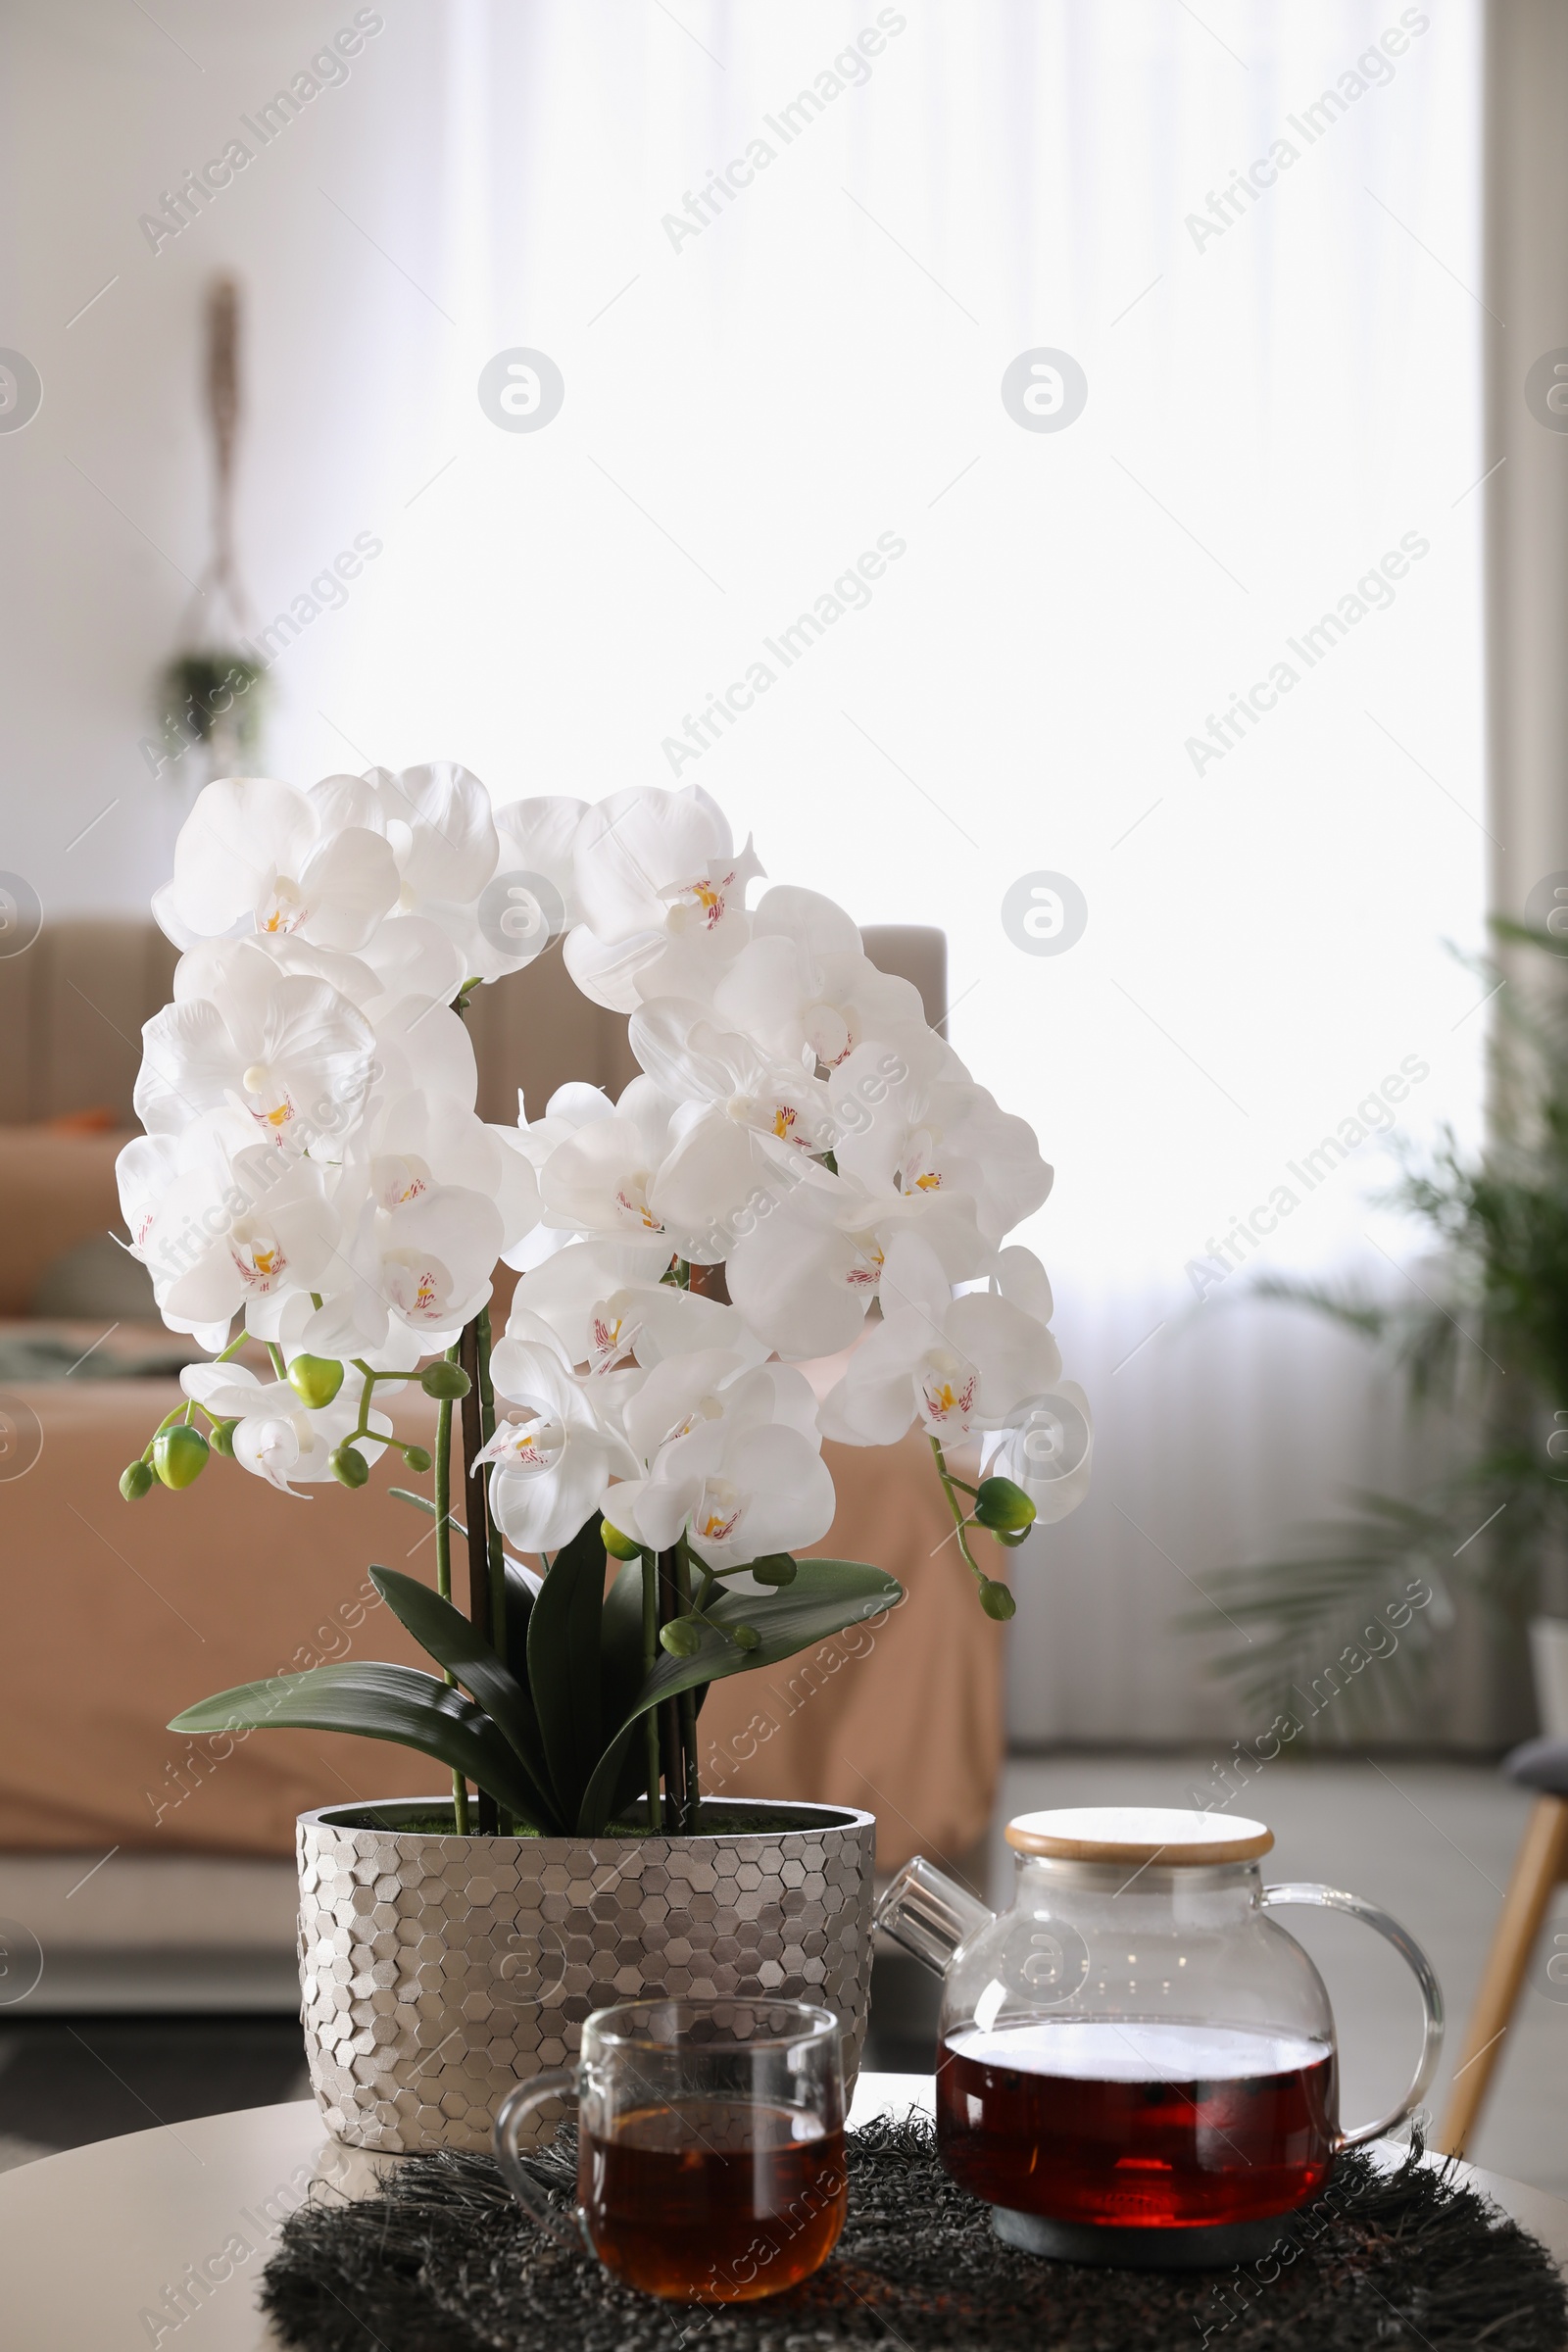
<point x="1484" y="1341"/>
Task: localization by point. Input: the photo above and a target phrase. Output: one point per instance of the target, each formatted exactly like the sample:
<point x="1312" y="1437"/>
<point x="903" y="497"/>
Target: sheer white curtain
<point x="773" y="371"/>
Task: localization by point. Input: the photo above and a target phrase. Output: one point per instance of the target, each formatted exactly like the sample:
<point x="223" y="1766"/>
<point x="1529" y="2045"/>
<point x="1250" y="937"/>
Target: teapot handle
<point x="1334" y="1898"/>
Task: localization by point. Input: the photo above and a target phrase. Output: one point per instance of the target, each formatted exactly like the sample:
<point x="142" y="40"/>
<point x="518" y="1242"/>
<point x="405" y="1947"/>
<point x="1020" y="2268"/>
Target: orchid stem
<point x="443" y="1566"/>
<point x="655" y="1810"/>
<point x="959" y="1521"/>
<point x="166" y="1421"/>
<point x="672" y="1756"/>
<point x="687" y="1702"/>
<point x="497" y="1557"/>
<point x="476" y="1511"/>
<point x="487" y="1430"/>
<point x="698" y="1608"/>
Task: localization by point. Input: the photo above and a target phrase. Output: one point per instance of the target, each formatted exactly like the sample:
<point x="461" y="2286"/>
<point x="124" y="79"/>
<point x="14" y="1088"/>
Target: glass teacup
<point x="710" y="2145"/>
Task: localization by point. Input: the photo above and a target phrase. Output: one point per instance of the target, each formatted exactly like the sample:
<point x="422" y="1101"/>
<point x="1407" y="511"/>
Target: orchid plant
<point x="804" y="1171"/>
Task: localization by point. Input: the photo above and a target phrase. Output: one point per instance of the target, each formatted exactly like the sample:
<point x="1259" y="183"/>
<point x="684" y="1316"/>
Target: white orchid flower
<point x="569" y="1107"/>
<point x="426" y="1046"/>
<point x="954" y="1364"/>
<point x="148" y="1164"/>
<point x="804" y="990"/>
<point x="804" y="1267"/>
<point x="144" y="1170"/>
<point x="411" y="957"/>
<point x="314" y="1159"/>
<point x="242" y="1235"/>
<point x="733" y="1461"/>
<point x="1048" y="1449"/>
<point x="663" y="893"/>
<point x="285" y="1047"/>
<point x="918" y="1134"/>
<point x="745" y="1129"/>
<point x="598" y="1175"/>
<point x="531" y="898"/>
<point x="541" y="835"/>
<point x="423" y="1137"/>
<point x="206" y="968"/>
<point x="415" y="1262"/>
<point x="692" y="1059"/>
<point x="665" y="861"/>
<point x="437" y="826"/>
<point x="554" y="1450"/>
<point x="277" y="1437"/>
<point x="604" y="1309"/>
<point x="439" y="822"/>
<point x="258" y="852"/>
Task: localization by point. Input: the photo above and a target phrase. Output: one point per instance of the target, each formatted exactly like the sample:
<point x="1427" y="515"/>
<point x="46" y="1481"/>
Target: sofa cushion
<point x="72" y="1009"/>
<point x="55" y="1191"/>
<point x="96" y="1280"/>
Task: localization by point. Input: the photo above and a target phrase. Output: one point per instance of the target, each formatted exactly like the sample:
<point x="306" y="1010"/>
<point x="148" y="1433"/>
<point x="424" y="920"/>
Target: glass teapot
<point x="1136" y="2063"/>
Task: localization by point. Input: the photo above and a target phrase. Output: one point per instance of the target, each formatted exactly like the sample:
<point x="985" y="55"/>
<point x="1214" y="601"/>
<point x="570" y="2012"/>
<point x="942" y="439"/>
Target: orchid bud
<point x="348" y="1466"/>
<point x="996" y="1601"/>
<point x="417" y="1459"/>
<point x="1002" y="1508"/>
<point x="620" y="1547"/>
<point x="746" y="1636"/>
<point x="135" y="1481"/>
<point x="221" y="1438"/>
<point x="774" y="1568"/>
<point x="680" y="1637"/>
<point x="179" y="1454"/>
<point x="316" y="1379"/>
<point x="441" y="1378"/>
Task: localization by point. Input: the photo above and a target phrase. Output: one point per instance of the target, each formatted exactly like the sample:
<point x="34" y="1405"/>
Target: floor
<point x="1432" y="1843"/>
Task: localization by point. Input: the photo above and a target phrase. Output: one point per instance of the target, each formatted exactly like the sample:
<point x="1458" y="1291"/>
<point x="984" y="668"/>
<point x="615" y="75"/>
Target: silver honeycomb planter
<point x="437" y="1971"/>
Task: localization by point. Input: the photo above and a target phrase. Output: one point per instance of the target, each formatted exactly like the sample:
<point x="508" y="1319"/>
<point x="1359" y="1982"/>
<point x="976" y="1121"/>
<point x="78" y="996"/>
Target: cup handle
<point x="1334" y="1898"/>
<point x="519" y="2103"/>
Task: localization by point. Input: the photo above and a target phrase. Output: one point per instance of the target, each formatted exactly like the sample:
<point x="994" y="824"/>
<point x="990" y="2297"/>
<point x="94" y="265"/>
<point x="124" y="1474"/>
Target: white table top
<point x="92" y="2241"/>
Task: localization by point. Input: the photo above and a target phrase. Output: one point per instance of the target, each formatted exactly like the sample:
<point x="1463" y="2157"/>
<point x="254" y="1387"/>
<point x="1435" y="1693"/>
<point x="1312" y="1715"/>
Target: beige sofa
<point x="119" y="1615"/>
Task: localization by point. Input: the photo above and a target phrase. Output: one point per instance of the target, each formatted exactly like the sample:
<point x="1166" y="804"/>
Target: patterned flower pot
<point x="437" y="1970"/>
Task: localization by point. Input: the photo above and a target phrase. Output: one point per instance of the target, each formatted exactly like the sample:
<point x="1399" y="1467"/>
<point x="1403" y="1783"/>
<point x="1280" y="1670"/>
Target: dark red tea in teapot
<point x="1154" y="2124"/>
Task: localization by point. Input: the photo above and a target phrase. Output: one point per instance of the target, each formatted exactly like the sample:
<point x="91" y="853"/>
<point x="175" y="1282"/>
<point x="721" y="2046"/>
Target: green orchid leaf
<point x="518" y="1611"/>
<point x="621" y="1679"/>
<point x="453" y="1643"/>
<point x="423" y="1503"/>
<point x="564" y="1635"/>
<point x="620" y="1643"/>
<point x="826" y="1596"/>
<point x="375" y="1701"/>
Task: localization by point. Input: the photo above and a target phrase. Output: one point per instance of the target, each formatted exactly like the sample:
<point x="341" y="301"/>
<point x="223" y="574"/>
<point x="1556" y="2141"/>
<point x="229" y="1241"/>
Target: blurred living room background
<point x="263" y="419"/>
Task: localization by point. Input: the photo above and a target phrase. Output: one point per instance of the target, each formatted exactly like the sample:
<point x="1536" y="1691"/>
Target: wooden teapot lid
<point x="1136" y="1834"/>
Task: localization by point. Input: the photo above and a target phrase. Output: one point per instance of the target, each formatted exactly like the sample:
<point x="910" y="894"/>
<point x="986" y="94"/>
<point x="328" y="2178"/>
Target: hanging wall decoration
<point x="210" y="695"/>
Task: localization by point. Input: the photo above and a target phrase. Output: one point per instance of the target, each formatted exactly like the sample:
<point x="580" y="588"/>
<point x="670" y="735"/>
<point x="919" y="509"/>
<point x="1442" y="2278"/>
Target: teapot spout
<point x="929" y="1913"/>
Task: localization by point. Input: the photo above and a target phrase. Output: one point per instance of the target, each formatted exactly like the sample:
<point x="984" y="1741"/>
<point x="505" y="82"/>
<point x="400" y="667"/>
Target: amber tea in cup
<point x="710" y="2145"/>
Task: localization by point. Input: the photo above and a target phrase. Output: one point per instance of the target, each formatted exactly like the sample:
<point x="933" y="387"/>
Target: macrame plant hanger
<point x="213" y="689"/>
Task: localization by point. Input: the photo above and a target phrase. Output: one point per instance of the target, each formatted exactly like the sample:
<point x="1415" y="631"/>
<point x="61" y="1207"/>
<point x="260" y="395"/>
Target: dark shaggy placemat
<point x="443" y="2261"/>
